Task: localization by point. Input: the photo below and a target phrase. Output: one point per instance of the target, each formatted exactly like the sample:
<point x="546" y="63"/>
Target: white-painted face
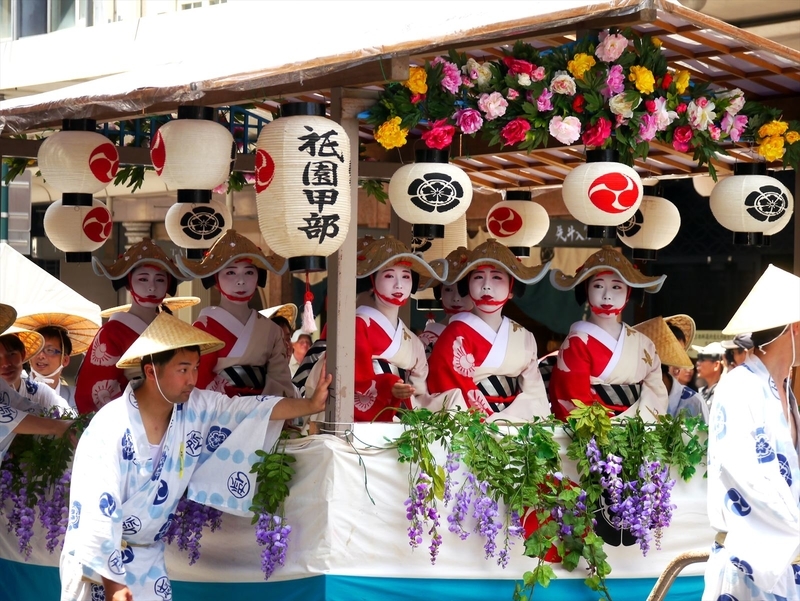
<point x="393" y="284"/>
<point x="149" y="285"/>
<point x="453" y="302"/>
<point x="608" y="293"/>
<point x="238" y="281"/>
<point x="489" y="288"/>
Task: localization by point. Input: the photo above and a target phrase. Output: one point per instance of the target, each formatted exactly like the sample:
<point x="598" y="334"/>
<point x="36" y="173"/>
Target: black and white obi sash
<point x="382" y="366"/>
<point x="618" y="395"/>
<point x="312" y="356"/>
<point x="245" y="376"/>
<point x="497" y="388"/>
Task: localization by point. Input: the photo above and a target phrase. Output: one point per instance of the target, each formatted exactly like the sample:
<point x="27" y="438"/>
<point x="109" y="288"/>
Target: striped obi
<point x="382" y="366"/>
<point x="618" y="397"/>
<point x="245" y="377"/>
<point x="499" y="391"/>
<point x="312" y="356"/>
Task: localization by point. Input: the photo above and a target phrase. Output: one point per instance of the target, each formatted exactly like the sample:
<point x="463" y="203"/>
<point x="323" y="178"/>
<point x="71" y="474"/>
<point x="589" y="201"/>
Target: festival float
<point x="444" y="502"/>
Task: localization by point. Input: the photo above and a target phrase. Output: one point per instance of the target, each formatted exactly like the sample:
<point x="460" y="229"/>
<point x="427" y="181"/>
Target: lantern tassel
<point x="309" y="325"/>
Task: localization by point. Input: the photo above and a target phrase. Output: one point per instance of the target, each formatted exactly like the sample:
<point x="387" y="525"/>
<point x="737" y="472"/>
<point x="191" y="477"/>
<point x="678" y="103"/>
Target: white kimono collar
<point x="130" y="320"/>
<point x="395" y="334"/>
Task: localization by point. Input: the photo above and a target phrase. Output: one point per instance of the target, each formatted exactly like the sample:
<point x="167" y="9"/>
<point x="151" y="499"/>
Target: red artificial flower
<point x="597" y="134"/>
<point x="666" y="82"/>
<point x="681" y="108"/>
<point x="650" y="105"/>
<point x="417" y="98"/>
<point x="577" y="103"/>
<point x="515" y="131"/>
<point x="440" y="135"/>
<point x="517" y="66"/>
<point x="681" y="138"/>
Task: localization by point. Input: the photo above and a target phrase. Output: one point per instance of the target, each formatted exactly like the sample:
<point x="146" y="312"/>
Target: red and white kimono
<point x="385" y="355"/>
<point x="623" y="375"/>
<point x="497" y="372"/>
<point x="99" y="379"/>
<point x="431" y="334"/>
<point x="253" y="360"/>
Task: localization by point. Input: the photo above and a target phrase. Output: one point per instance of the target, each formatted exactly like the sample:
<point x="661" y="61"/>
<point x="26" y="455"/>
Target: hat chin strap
<point x="155" y="377"/>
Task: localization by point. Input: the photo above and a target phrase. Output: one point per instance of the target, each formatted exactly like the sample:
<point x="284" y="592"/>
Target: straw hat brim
<point x="632" y="278"/>
<point x="146" y="252"/>
<point x="173" y="303"/>
<point x="456" y="259"/>
<point x="7" y="316"/>
<point x="80" y="330"/>
<point x="288" y="310"/>
<point x="774" y="301"/>
<point x="669" y="348"/>
<point x="686" y="325"/>
<point x="520" y="272"/>
<point x="166" y="333"/>
<point x="212" y="264"/>
<point x="32" y="341"/>
<point x="435" y="270"/>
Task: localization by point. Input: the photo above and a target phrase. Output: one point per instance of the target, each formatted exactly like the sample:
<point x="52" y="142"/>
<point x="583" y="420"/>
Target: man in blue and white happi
<point x="753" y="473"/>
<point x="142" y="451"/>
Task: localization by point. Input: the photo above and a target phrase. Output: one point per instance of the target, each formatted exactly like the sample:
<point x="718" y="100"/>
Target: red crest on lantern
<point x="503" y="222"/>
<point x="614" y="192"/>
<point x="158" y="153"/>
<point x="265" y="170"/>
<point x="97" y="224"/>
<point x="104" y="162"/>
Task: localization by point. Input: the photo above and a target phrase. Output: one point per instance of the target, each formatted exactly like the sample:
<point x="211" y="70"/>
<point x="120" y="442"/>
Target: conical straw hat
<point x="774" y="301"/>
<point x="33" y="341"/>
<point x="145" y="252"/>
<point x="173" y="303"/>
<point x="231" y="246"/>
<point x="7" y="316"/>
<point x="165" y="333"/>
<point x="288" y="310"/>
<point x="685" y="324"/>
<point x="456" y="260"/>
<point x="495" y="253"/>
<point x="669" y="349"/>
<point x="607" y="259"/>
<point x="80" y="330"/>
<point x="386" y="252"/>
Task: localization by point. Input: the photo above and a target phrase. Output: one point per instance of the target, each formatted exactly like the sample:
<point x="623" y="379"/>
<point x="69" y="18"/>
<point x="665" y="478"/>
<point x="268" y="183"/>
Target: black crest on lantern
<point x="767" y="203"/>
<point x="435" y="192"/>
<point x="202" y="223"/>
<point x="632" y="226"/>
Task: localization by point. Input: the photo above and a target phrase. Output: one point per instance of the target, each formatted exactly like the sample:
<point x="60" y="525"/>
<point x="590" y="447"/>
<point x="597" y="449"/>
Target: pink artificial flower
<point x="467" y="82"/>
<point x="664" y="118"/>
<point x="597" y="134"/>
<point x="469" y="121"/>
<point x="440" y="135"/>
<point x="611" y="47"/>
<point x="544" y="102"/>
<point x="451" y="75"/>
<point x="714" y="131"/>
<point x="538" y="74"/>
<point x="515" y="131"/>
<point x="648" y="126"/>
<point x="249" y="178"/>
<point x="493" y="105"/>
<point x="701" y="113"/>
<point x="512" y="94"/>
<point x="565" y="130"/>
<point x="681" y="138"/>
<point x="734" y="126"/>
<point x="615" y="82"/>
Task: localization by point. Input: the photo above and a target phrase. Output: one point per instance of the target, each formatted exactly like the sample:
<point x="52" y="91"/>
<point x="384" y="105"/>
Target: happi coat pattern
<point x="13" y="409"/>
<point x="385" y="355"/>
<point x="682" y="398"/>
<point x="99" y="379"/>
<point x="256" y="347"/>
<point x="753" y="490"/>
<point x="121" y="502"/>
<point x="43" y="396"/>
<point x="589" y="357"/>
<point x="471" y="357"/>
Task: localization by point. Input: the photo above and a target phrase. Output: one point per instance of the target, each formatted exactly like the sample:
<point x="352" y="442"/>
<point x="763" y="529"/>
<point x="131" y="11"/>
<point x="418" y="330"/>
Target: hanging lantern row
<point x="518" y="222"/>
<point x="194" y="154"/>
<point x="654" y="225"/>
<point x="78" y="162"/>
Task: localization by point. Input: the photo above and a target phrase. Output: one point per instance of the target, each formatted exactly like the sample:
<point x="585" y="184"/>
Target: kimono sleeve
<point x="654" y="400"/>
<point x="279" y="376"/>
<point x="368" y="384"/>
<point x="208" y="361"/>
<point x="761" y="513"/>
<point x="570" y="378"/>
<point x="99" y="379"/>
<point x="13" y="409"/>
<point x="452" y="365"/>
<point x="532" y="398"/>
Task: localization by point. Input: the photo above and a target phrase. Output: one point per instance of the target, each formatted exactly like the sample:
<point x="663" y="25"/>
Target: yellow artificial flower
<point x="792" y="137"/>
<point x="417" y="80"/>
<point x="390" y="134"/>
<point x="773" y="128"/>
<point x="656" y="42"/>
<point x="579" y="65"/>
<point x="681" y="81"/>
<point x="643" y="79"/>
<point x="771" y="148"/>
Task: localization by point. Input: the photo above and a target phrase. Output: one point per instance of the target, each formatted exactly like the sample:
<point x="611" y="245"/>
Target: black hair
<point x="164" y="357"/>
<point x="729" y="355"/>
<point x="678" y="333"/>
<point x="517" y="287"/>
<point x="364" y="283"/>
<point x="281" y="321"/>
<point x="210" y="280"/>
<point x="765" y="336"/>
<point x="13" y="344"/>
<point x="61" y="334"/>
<point x="437" y="291"/>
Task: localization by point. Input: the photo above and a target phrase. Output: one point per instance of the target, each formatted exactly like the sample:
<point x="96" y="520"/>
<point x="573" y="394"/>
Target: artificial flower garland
<point x="610" y="91"/>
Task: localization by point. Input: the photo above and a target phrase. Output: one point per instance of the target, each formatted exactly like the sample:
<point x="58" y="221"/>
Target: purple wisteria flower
<point x="187" y="526"/>
<point x="272" y="533"/>
<point x="54" y="514"/>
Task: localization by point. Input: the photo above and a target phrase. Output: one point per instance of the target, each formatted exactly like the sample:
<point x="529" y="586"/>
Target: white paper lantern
<point x="193" y="152"/>
<point x="455" y="235"/>
<point x="430" y="193"/>
<point x="751" y="204"/>
<point x="76" y="229"/>
<point x="518" y="222"/>
<point x="654" y="225"/>
<point x="602" y="192"/>
<point x="197" y="225"/>
<point x="303" y="185"/>
<point x="78" y="162"/>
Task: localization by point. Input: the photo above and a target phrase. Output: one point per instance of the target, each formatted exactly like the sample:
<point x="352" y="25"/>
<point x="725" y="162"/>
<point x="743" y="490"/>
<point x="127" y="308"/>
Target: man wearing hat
<point x="753" y="472"/>
<point x="736" y="349"/>
<point x="709" y="367"/>
<point x="142" y="451"/>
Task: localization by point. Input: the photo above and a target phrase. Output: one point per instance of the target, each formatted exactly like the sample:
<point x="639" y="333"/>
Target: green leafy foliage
<point x="274" y="473"/>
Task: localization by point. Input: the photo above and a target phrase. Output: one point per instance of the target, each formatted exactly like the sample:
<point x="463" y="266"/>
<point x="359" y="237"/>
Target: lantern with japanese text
<point x="518" y="222"/>
<point x="751" y="204"/>
<point x="654" y="225"/>
<point x="303" y="185"/>
<point x="602" y="193"/>
<point x="430" y="193"/>
<point x="194" y="154"/>
<point x="78" y="162"/>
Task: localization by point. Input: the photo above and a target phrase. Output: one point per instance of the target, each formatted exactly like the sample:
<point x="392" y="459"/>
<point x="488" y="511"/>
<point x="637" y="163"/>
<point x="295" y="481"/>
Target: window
<point x="62" y="14"/>
<point x="6" y="30"/>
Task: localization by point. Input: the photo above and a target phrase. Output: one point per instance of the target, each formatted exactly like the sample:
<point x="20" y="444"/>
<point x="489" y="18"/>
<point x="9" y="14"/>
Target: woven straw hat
<point x="166" y="333"/>
<point x="33" y="341"/>
<point x="289" y="311"/>
<point x="455" y="260"/>
<point x="495" y="253"/>
<point x="145" y="252"/>
<point x="386" y="252"/>
<point x="607" y="259"/>
<point x="173" y="303"/>
<point x="80" y="330"/>
<point x="669" y="348"/>
<point x="685" y="324"/>
<point x="231" y="246"/>
<point x="7" y="316"/>
<point x="774" y="301"/>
